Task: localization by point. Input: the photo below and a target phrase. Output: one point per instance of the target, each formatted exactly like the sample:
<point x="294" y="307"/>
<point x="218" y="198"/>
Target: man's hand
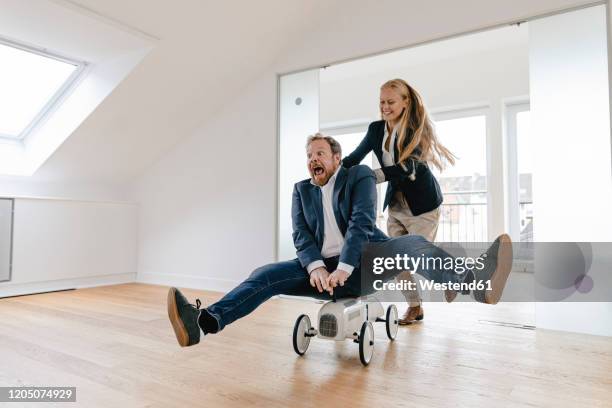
<point x="338" y="277"/>
<point x="318" y="279"/>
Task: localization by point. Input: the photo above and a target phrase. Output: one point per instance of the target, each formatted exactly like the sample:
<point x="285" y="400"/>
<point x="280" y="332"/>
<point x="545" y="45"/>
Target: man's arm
<point x="362" y="220"/>
<point x="307" y="251"/>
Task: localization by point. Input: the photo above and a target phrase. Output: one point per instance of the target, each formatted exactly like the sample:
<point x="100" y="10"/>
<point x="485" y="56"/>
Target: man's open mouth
<point x="318" y="170"/>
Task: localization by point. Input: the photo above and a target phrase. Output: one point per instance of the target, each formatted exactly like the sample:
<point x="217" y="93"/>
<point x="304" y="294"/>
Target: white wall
<point x="444" y="83"/>
<point x="207" y="213"/>
<point x="35" y="187"/>
<point x="207" y="220"/>
<point x="61" y="244"/>
<point x="69" y="217"/>
<point x="48" y="215"/>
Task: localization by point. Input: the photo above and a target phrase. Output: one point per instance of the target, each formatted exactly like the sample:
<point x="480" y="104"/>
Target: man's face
<point x="322" y="163"/>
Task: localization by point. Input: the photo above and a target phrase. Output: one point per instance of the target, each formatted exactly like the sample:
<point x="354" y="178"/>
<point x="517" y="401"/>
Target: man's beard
<point x="322" y="179"/>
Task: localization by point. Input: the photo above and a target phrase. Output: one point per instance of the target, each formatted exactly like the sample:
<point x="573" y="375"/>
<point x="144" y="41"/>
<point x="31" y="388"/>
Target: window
<point x="520" y="169"/>
<point x="31" y="82"/>
<point x="463" y="216"/>
<point x="349" y="142"/>
<point x="525" y="161"/>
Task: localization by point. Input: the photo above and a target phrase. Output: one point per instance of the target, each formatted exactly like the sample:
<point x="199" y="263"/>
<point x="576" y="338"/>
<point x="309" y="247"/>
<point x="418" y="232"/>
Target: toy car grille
<point x="328" y="325"/>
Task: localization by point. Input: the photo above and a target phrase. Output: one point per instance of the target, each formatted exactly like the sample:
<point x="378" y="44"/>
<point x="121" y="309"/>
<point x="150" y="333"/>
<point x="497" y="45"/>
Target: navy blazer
<point x="354" y="202"/>
<point x="422" y="195"/>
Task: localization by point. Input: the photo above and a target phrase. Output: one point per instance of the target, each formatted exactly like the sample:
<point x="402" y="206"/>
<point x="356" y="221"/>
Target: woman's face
<point x="391" y="105"/>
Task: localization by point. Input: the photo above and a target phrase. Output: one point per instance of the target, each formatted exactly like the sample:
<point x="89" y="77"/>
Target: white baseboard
<point x="17" y="289"/>
<point x="188" y="281"/>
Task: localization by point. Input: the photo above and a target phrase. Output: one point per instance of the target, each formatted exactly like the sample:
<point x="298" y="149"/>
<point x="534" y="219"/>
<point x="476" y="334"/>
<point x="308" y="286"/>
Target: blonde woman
<point x="405" y="144"/>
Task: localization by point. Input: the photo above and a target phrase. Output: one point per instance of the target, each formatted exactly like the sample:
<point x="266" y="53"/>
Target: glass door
<point x="298" y="118"/>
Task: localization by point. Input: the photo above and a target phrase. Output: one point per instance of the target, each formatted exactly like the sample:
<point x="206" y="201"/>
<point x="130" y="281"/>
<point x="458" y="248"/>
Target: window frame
<point x="466" y="111"/>
<point x="56" y="99"/>
<point x="511" y="111"/>
<point x="440" y="115"/>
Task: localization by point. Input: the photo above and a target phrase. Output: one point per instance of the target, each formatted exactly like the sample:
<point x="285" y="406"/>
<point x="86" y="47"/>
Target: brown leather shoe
<point x="497" y="267"/>
<point x="412" y="315"/>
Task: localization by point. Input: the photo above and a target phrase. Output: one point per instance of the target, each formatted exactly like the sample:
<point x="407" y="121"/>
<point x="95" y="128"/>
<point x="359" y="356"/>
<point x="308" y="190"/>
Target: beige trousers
<point x="402" y="222"/>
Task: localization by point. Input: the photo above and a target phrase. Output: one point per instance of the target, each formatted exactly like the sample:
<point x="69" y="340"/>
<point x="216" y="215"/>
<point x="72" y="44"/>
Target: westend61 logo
<point x="413" y="265"/>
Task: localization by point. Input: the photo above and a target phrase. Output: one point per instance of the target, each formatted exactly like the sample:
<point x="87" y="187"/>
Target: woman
<point x="405" y="145"/>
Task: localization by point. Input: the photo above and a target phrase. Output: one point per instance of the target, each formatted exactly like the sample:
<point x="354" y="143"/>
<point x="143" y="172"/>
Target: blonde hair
<point x="416" y="124"/>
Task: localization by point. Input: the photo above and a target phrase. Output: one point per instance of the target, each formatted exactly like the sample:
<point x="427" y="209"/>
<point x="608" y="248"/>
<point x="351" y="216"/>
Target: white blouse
<point x="388" y="157"/>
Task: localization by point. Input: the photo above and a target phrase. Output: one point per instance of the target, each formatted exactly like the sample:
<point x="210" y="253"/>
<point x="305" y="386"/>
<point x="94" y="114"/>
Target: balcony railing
<point x="467" y="222"/>
<point x="526" y="220"/>
<point x="461" y="222"/>
<point x="463" y="217"/>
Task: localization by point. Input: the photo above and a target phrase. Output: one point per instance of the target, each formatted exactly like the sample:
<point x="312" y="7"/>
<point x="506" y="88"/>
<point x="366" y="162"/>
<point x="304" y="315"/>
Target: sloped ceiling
<point x="208" y="51"/>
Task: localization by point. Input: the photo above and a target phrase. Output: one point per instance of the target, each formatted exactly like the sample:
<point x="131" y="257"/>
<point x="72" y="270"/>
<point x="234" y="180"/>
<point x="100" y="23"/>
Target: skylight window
<point x="31" y="82"/>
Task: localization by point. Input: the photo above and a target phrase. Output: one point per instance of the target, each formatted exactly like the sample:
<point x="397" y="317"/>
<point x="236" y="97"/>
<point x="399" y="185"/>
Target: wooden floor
<point x="116" y="346"/>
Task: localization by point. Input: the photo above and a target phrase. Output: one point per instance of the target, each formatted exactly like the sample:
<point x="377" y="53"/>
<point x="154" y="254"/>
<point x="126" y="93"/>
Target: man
<point x="333" y="216"/>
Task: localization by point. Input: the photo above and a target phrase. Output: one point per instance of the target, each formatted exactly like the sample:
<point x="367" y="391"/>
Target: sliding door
<point x="298" y="118"/>
<point x="572" y="182"/>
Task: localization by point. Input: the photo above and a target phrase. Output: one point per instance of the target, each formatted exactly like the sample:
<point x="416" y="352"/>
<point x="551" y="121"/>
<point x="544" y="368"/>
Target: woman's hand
<point x="380" y="176"/>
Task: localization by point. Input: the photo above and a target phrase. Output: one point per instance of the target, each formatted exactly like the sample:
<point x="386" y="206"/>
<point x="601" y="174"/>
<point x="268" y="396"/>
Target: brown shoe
<point x="412" y="315"/>
<point x="184" y="318"/>
<point x="497" y="267"/>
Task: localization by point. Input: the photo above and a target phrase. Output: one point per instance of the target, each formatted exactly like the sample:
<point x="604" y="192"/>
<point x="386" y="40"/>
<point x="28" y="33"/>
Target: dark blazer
<point x="354" y="202"/>
<point x="422" y="195"/>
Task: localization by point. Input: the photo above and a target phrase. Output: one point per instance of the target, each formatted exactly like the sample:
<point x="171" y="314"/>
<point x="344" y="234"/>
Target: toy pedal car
<point x="349" y="318"/>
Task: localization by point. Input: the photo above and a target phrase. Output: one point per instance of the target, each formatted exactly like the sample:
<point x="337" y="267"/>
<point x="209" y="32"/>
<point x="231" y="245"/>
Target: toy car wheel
<point x="366" y="343"/>
<point x="391" y="322"/>
<point x="301" y="338"/>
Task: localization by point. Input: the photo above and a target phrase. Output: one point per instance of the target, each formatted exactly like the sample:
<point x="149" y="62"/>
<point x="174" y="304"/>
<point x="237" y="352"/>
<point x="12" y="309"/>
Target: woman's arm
<point x="361" y="151"/>
<point x="410" y="168"/>
<point x="398" y="171"/>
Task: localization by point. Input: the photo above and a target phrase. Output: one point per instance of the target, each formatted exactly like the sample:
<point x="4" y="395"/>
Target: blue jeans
<point x="289" y="278"/>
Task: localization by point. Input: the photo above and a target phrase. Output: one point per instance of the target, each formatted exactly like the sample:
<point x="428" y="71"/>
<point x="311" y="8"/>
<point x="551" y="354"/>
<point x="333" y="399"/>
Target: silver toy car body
<point x="348" y="318"/>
